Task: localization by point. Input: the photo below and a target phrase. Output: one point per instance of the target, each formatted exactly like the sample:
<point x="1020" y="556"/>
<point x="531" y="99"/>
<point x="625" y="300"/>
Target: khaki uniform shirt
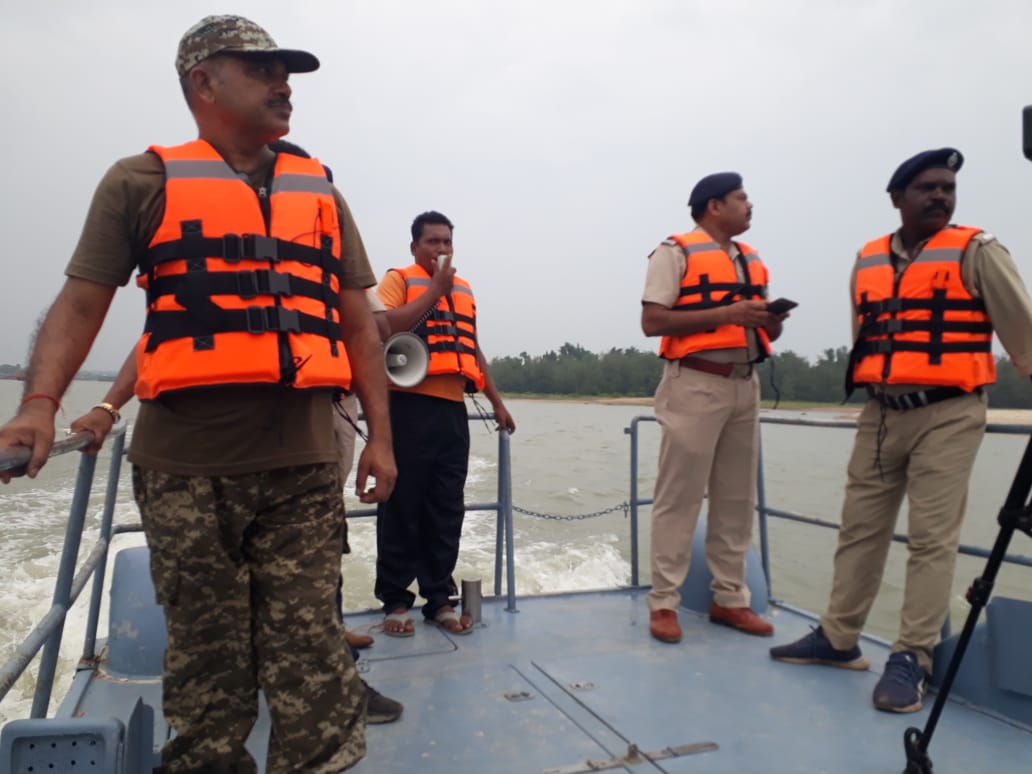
<point x="206" y="431"/>
<point x="988" y="272"/>
<point x="667" y="266"/>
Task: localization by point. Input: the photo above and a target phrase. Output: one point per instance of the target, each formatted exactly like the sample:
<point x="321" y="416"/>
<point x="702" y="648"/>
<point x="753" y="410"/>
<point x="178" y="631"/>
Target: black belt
<point x="913" y="400"/>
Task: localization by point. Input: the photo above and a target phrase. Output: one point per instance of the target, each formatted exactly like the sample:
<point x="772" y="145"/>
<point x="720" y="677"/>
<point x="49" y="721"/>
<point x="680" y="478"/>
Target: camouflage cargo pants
<point x="246" y="569"/>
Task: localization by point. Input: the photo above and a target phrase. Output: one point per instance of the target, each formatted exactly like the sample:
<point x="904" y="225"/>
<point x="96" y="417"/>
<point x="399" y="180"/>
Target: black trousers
<point x="418" y="528"/>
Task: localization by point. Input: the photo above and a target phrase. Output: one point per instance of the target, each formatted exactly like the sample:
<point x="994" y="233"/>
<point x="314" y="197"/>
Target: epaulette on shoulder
<point x="985" y="237"/>
<point x="670" y="242"/>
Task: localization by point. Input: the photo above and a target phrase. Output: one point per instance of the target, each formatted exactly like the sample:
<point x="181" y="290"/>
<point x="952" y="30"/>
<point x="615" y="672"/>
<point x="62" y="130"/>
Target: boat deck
<point x="573" y="677"/>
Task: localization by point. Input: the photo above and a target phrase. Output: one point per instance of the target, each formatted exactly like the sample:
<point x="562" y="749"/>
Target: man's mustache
<point x="936" y="208"/>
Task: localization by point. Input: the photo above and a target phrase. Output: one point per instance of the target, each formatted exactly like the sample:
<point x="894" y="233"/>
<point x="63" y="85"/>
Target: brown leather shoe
<point x="741" y="618"/>
<point x="663" y="626"/>
<point x="358" y="641"/>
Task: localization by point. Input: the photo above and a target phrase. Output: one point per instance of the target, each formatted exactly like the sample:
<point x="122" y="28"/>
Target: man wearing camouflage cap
<point x="925" y="302"/>
<point x="254" y="273"/>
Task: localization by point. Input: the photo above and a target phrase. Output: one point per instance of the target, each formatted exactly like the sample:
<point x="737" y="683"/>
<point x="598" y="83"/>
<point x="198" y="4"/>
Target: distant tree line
<point x="573" y="370"/>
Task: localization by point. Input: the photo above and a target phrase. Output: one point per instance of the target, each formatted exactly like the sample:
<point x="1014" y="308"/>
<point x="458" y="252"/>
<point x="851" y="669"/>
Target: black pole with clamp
<point x="1015" y="515"/>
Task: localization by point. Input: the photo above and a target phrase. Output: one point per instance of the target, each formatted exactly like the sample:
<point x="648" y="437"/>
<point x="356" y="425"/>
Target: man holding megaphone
<point x="418" y="528"/>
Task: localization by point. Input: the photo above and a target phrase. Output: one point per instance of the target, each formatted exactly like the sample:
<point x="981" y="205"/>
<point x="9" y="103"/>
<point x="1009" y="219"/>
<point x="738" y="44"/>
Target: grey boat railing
<point x="765" y="511"/>
<point x="48" y="633"/>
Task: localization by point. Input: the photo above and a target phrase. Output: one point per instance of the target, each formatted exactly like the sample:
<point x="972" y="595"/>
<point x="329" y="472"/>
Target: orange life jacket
<point x="450" y="328"/>
<point x="241" y="288"/>
<point x="709" y="281"/>
<point x="921" y="326"/>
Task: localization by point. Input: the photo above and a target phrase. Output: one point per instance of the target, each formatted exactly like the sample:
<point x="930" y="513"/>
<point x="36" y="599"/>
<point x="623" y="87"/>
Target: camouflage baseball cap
<point x="235" y="34"/>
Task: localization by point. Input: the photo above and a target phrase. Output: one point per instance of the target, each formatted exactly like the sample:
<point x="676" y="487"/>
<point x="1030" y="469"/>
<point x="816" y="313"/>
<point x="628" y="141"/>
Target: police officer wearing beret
<point x="705" y="295"/>
<point x="925" y="302"/>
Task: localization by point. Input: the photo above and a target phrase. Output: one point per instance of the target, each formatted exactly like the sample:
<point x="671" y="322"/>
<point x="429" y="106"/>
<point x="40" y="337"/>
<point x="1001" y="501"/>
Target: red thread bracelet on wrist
<point x="44" y="396"/>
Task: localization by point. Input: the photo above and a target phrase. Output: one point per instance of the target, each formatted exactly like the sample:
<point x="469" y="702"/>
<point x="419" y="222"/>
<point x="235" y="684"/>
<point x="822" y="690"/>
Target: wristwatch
<point x="110" y="409"/>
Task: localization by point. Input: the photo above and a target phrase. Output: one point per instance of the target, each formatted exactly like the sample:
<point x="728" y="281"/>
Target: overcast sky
<point x="561" y="137"/>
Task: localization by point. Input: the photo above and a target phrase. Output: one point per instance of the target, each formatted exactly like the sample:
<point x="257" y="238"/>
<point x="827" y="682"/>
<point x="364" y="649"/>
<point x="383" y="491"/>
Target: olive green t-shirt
<point x="206" y="431"/>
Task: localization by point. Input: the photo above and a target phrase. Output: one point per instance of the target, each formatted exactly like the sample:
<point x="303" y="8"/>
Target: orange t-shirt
<point x="391" y="291"/>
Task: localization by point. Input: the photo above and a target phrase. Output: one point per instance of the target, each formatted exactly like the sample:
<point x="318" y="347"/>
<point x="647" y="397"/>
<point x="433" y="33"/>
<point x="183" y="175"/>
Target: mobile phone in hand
<point x="781" y="305"/>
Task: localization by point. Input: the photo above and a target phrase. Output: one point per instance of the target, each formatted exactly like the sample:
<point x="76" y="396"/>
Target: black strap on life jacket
<point x="167" y="325"/>
<point x="730" y="292"/>
<point x="193" y="289"/>
<point x="453" y="345"/>
<point x="236" y="247"/>
<point x="878" y="336"/>
<point x="246" y="284"/>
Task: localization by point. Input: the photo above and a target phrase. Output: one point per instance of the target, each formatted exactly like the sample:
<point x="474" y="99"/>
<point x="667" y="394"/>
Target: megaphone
<point x="406" y="358"/>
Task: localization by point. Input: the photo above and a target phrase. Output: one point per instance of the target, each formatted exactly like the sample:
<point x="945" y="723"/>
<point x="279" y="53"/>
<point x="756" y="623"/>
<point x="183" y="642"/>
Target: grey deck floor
<point x="575" y="677"/>
<point x="595" y="682"/>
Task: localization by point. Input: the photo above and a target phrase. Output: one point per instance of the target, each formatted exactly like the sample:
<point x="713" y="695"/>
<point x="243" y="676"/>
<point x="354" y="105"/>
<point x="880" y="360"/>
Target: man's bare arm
<point x="369" y="379"/>
<point x="62" y="343"/>
<point x="97" y="420"/>
<point x="502" y="415"/>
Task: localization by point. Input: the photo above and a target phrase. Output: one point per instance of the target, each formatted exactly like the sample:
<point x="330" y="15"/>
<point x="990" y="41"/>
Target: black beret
<point x="714" y="187"/>
<point x="943" y="158"/>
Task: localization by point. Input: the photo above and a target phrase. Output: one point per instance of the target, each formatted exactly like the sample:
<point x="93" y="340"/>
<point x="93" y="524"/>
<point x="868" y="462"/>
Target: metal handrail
<point x="764" y="511"/>
<point x="48" y="633"/>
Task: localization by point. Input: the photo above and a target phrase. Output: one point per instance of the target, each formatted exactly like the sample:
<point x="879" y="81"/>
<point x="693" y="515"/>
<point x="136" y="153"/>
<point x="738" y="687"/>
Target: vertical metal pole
<point x="633" y="432"/>
<point x="499" y="524"/>
<point x="761" y="505"/>
<point x="114" y="474"/>
<point x="505" y="512"/>
<point x="63" y="585"/>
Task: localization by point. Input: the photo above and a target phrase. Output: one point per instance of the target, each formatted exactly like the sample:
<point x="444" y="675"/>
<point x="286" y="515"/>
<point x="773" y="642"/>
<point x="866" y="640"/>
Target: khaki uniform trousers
<point x="926" y="454"/>
<point x="710" y="439"/>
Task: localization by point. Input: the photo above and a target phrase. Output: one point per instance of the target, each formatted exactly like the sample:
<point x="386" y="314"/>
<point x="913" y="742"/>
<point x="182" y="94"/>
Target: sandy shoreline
<point x="995" y="416"/>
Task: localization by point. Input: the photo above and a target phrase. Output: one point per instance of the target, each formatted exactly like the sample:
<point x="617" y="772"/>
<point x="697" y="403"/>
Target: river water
<point x="568" y="459"/>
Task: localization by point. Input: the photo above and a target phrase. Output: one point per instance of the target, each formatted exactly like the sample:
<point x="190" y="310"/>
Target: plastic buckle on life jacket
<point x="256" y="319"/>
<point x="247" y="284"/>
<point x="281" y="319"/>
<point x="272" y="318"/>
<point x="260" y="247"/>
<point x="231" y="248"/>
<point x="273" y="283"/>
